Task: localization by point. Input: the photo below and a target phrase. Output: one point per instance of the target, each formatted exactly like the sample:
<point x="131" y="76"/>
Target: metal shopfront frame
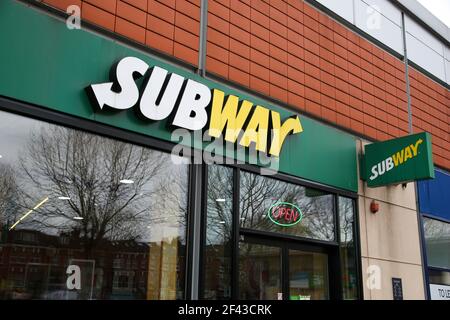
<point x="196" y="215"/>
<point x="332" y="248"/>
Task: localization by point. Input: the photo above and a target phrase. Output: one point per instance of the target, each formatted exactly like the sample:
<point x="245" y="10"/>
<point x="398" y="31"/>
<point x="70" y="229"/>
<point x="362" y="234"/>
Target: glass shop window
<point x="90" y="203"/>
<point x="347" y="244"/>
<point x="260" y="194"/>
<point x="437" y="241"/>
<point x="217" y="250"/>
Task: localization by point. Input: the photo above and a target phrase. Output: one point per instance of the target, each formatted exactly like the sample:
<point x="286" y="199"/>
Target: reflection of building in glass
<point x="33" y="266"/>
<point x="217" y="284"/>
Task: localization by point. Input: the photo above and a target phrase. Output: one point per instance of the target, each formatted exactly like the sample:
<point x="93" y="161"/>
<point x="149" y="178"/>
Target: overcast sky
<point x="440" y="8"/>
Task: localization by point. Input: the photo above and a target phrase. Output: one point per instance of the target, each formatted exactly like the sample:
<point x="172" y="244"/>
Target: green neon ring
<point x="284" y="224"/>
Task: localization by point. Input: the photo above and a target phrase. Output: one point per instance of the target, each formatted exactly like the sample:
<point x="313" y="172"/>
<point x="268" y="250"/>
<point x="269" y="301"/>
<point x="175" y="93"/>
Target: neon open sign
<point x="285" y="214"/>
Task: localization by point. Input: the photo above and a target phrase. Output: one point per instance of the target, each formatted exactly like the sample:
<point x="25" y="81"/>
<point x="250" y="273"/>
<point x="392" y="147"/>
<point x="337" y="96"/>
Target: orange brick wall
<point x="288" y="50"/>
<point x="170" y="26"/>
<point x="293" y="53"/>
<point x="431" y="112"/>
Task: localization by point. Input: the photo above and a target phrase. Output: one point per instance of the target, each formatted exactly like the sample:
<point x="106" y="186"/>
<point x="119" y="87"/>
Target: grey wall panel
<point x="425" y="57"/>
<point x="387" y="9"/>
<point x="447" y="71"/>
<point x="378" y="25"/>
<point x="423" y="35"/>
<point x="344" y="8"/>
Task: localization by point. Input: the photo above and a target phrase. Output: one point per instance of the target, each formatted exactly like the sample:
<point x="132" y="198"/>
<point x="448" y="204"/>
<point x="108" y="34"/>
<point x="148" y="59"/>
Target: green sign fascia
<point x="44" y="63"/>
<point x="398" y="160"/>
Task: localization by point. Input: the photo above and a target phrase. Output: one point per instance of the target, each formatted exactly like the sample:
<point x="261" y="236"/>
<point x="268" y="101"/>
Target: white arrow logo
<point x="124" y="75"/>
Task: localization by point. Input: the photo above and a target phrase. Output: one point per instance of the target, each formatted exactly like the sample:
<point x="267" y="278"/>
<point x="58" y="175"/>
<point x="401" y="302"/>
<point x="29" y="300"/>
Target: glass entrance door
<point x="308" y="275"/>
<point x="260" y="271"/>
<point x="276" y="270"/>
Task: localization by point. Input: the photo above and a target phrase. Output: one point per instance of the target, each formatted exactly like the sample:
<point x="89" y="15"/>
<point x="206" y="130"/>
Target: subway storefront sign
<point x="186" y="102"/>
<point x="318" y="153"/>
<point x="399" y="160"/>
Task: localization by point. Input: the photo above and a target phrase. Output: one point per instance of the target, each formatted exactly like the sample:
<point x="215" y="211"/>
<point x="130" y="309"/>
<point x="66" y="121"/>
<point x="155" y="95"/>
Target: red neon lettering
<point x="285" y="213"/>
<point x="288" y="215"/>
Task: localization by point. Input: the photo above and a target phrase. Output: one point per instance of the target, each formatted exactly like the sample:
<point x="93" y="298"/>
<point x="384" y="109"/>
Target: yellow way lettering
<point x="257" y="129"/>
<point x="281" y="131"/>
<point x="414" y="147"/>
<point x="398" y="157"/>
<point x="227" y="116"/>
<point x="408" y="154"/>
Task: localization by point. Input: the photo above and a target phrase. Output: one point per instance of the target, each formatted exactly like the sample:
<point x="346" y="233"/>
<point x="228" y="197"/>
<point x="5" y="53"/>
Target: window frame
<point x="426" y="266"/>
<point x="39" y="113"/>
<point x="331" y="246"/>
<point x="196" y="173"/>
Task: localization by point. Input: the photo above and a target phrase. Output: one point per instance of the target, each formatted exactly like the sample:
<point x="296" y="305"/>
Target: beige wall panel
<point x="411" y="275"/>
<point x="392" y="233"/>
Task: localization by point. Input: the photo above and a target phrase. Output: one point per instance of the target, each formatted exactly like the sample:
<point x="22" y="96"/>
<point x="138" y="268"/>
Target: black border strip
<point x="204" y="221"/>
<point x="424" y="253"/>
<point x="358" y="250"/>
<point x="283" y="236"/>
<point x="235" y="234"/>
<point x="439" y="269"/>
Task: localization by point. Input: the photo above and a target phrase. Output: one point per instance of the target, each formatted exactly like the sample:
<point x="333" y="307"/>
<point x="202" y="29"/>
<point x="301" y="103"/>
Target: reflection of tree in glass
<point x="59" y="162"/>
<point x="220" y="187"/>
<point x="258" y="193"/>
<point x="436" y="230"/>
<point x="217" y="276"/>
<point x="8" y="191"/>
<point x="346" y="221"/>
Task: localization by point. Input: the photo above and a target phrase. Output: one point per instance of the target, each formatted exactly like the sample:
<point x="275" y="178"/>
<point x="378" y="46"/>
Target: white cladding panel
<point x="375" y="23"/>
<point x="344" y="8"/>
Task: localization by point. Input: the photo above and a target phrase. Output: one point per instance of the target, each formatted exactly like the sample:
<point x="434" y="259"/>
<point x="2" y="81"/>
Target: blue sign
<point x="434" y="195"/>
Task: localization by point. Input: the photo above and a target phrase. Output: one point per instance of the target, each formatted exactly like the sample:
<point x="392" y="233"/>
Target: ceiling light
<point x="64" y="198"/>
<point x="126" y="181"/>
<point x="1" y="156"/>
<point x="222" y="222"/>
<point x="220" y="200"/>
<point x="26" y="214"/>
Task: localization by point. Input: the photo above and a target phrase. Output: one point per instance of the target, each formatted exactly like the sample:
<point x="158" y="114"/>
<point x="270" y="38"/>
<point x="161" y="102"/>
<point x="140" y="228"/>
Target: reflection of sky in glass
<point x="15" y="130"/>
<point x="164" y="195"/>
<point x="259" y="193"/>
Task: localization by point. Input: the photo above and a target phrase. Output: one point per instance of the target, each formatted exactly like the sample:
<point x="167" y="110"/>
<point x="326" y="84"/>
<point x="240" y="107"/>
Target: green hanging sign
<point x="398" y="160"/>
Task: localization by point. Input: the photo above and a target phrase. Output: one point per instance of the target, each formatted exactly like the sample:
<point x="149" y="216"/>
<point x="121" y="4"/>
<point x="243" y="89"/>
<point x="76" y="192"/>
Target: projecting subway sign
<point x="399" y="160"/>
